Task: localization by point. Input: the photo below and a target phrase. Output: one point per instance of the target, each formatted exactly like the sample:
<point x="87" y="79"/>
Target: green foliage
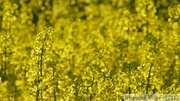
<point x="88" y="50"/>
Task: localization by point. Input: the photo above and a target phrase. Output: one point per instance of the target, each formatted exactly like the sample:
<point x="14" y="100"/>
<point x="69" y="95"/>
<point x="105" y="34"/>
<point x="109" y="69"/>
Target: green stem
<point x="37" y="86"/>
<point x="54" y="86"/>
<point x="148" y="79"/>
<point x="5" y="64"/>
<point x="129" y="88"/>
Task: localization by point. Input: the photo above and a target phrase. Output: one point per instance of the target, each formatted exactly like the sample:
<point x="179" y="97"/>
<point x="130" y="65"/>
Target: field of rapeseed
<point x="88" y="50"/>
